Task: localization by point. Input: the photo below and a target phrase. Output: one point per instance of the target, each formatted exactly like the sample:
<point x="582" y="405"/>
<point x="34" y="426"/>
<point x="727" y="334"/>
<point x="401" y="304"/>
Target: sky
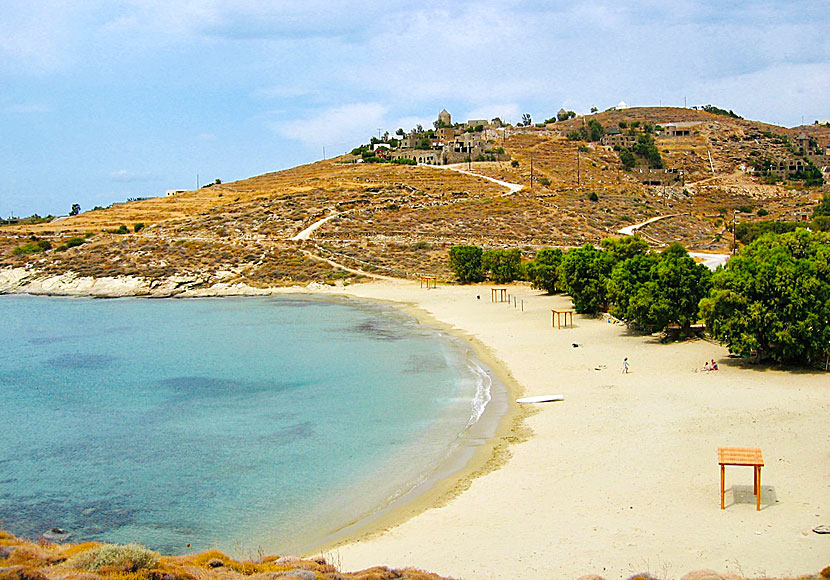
<point x="104" y="100"/>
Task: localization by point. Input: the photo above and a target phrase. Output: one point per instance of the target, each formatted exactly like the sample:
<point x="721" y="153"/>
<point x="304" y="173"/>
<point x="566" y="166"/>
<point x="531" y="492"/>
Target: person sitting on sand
<point x="706" y="367"/>
<point x="714" y="366"/>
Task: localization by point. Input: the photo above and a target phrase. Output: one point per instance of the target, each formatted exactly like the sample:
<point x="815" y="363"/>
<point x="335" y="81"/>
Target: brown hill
<point x="401" y="220"/>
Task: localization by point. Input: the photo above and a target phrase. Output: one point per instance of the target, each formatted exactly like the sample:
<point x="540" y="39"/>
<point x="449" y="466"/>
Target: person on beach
<point x="707" y="367"/>
<point x="713" y="366"/>
<point x="625" y="366"/>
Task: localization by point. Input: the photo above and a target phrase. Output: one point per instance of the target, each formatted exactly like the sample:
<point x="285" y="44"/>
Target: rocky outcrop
<point x="25" y="281"/>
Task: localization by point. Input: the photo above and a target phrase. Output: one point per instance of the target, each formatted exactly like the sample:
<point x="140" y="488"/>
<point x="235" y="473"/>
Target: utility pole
<point x="734" y="230"/>
<point x="197" y="181"/>
<point x="531" y="174"/>
<point x="577" y="166"/>
<point x="324" y="152"/>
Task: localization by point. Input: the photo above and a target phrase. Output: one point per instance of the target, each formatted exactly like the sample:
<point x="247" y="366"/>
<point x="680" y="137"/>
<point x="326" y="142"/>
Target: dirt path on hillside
<point x="629" y="230"/>
<point x="511" y="187"/>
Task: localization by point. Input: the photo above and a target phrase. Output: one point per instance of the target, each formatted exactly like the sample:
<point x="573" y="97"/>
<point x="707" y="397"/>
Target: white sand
<point x="622" y="476"/>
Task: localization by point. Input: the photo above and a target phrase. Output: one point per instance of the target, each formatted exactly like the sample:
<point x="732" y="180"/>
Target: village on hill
<point x="394" y="206"/>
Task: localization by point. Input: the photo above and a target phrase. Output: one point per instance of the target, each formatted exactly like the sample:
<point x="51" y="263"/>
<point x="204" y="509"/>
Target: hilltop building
<point x="448" y="143"/>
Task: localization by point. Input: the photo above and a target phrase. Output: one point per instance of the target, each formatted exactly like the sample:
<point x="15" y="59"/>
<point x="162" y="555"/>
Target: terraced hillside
<point x="400" y="220"/>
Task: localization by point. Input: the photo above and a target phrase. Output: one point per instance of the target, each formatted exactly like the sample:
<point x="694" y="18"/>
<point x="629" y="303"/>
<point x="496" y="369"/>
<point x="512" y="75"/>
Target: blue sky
<point x="103" y="100"/>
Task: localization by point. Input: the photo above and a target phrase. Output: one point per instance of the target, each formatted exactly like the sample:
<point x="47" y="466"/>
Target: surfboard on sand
<point x="541" y="399"/>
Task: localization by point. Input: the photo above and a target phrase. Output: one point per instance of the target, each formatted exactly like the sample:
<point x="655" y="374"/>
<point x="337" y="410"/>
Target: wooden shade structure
<point x="558" y="315"/>
<point x="741" y="456"/>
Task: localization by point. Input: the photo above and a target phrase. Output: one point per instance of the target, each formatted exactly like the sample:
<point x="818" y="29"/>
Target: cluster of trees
<point x="645" y="288"/>
<point x="472" y="264"/>
<point x="593" y="131"/>
<point x="719" y="111"/>
<point x="771" y="300"/>
<point x="562" y="115"/>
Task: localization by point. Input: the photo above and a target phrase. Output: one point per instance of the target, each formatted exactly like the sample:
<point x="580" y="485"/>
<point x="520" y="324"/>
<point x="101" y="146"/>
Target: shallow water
<point x="238" y="424"/>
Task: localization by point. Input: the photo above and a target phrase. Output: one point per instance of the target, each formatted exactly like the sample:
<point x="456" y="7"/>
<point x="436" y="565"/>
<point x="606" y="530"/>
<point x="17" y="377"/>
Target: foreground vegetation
<point x="26" y="560"/>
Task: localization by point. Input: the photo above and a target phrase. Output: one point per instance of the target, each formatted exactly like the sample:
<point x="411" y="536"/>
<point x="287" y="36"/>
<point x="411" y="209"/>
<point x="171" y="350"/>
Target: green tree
<point x="672" y="293"/>
<point x="595" y="130"/>
<point x="822" y="208"/>
<point x="466" y="263"/>
<point x="543" y="270"/>
<point x="625" y="281"/>
<point x="628" y="159"/>
<point x="502" y="266"/>
<point x="620" y="249"/>
<point x="584" y="275"/>
<point x="76" y="209"/>
<point x="773" y="298"/>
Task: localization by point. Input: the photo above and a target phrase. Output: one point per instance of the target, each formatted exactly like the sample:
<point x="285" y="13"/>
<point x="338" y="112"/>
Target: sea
<point x="250" y="425"/>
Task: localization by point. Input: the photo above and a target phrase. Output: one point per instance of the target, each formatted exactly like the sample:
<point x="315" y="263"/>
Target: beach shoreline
<point x="619" y="478"/>
<point x="489" y="451"/>
<point x="622" y="476"/>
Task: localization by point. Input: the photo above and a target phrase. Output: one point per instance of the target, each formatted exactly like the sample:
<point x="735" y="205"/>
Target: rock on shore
<point x="26" y="281"/>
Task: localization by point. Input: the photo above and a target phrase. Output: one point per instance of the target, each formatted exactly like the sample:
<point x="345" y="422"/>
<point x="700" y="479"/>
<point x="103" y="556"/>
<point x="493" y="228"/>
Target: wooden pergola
<point x="558" y="315"/>
<point x="430" y="281"/>
<point x="741" y="456"/>
<point x="498" y="295"/>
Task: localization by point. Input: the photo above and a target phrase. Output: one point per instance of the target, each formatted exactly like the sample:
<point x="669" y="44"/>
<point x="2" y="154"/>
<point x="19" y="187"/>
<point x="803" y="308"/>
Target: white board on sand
<point x="541" y="399"/>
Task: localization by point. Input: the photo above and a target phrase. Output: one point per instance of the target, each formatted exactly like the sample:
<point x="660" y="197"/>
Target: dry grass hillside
<point x="401" y="220"/>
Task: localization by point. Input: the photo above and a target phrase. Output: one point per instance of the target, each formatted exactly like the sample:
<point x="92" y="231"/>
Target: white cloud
<point x="335" y="126"/>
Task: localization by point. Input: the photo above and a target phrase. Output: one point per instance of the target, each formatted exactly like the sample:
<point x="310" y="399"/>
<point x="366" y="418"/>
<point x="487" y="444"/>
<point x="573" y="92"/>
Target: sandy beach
<point x="622" y="476"/>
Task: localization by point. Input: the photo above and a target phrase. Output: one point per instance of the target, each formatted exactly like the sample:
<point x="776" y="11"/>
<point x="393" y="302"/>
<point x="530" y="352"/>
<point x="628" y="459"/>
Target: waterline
<point x="221" y="417"/>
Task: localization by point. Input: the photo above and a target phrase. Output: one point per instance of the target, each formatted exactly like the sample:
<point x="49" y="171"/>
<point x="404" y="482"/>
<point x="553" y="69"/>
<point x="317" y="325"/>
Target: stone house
<point x="427" y="156"/>
<point x="445" y="135"/>
<point x="784" y="169"/>
<point x="679" y="129"/>
<point x="445" y="118"/>
<point x="473" y="123"/>
<point x="615" y="138"/>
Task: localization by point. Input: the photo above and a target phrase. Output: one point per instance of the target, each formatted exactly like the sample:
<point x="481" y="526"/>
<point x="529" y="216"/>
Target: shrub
<point x="503" y="265"/>
<point x="627" y="158"/>
<point x="762" y="212"/>
<point x="138" y="227"/>
<point x="514" y="163"/>
<point x="466" y="263"/>
<point x="33" y="247"/>
<point x="593" y="196"/>
<point x="544" y="181"/>
<point x="543" y="270"/>
<point x="128" y="558"/>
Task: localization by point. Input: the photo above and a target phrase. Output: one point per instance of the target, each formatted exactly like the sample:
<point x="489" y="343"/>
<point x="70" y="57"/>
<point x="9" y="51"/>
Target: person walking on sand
<point x="625" y="366"/>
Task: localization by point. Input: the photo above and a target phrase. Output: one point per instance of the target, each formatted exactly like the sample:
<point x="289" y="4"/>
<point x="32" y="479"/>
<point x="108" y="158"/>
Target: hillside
<point x="400" y="220"/>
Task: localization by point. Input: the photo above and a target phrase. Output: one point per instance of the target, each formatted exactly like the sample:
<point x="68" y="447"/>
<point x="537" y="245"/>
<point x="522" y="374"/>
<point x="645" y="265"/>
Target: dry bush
<point x="114" y="557"/>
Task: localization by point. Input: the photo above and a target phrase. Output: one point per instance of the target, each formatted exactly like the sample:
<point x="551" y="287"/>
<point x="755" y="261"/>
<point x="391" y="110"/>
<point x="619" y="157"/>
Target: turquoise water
<point x="238" y="424"/>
